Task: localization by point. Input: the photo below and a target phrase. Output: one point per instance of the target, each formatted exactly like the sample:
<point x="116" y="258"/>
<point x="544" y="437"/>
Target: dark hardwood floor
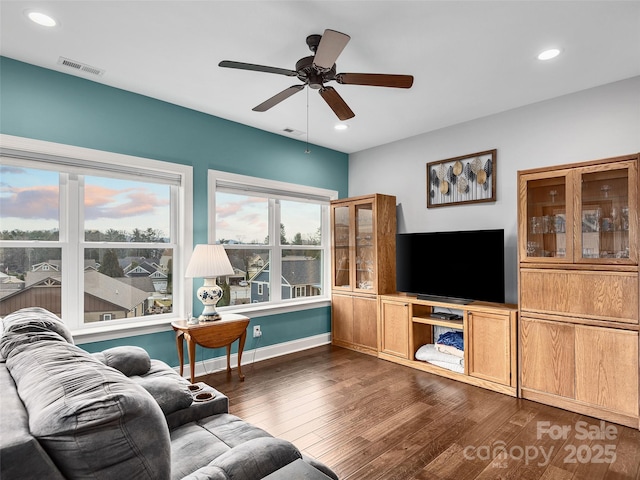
<point x="371" y="419"/>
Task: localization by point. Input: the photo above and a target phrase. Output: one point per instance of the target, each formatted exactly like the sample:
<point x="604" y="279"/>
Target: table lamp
<point x="209" y="262"/>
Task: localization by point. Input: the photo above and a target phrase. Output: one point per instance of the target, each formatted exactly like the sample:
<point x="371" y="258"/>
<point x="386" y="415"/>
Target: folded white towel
<point x="429" y="352"/>
<point x="450" y="350"/>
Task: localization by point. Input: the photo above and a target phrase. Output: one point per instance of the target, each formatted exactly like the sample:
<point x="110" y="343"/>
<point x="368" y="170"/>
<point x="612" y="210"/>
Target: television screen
<point x="457" y="267"/>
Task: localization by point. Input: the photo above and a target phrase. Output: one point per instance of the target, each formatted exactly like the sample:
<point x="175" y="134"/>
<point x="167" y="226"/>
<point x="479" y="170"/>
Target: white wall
<point x="592" y="124"/>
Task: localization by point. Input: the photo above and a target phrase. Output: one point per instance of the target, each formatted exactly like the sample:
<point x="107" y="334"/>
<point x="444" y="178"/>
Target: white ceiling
<point x="469" y="59"/>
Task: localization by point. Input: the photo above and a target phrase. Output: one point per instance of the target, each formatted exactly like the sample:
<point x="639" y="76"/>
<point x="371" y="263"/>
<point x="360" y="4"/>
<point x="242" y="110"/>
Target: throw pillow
<point x="128" y="359"/>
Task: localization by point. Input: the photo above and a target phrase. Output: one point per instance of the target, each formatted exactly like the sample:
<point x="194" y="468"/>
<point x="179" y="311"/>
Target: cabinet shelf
<point x="441" y="322"/>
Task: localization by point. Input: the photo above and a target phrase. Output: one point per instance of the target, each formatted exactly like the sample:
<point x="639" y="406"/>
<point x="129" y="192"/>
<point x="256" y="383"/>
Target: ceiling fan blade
<point x="257" y="68"/>
<point x="375" y="79"/>
<point x="331" y="45"/>
<point x="337" y="104"/>
<point x="276" y="99"/>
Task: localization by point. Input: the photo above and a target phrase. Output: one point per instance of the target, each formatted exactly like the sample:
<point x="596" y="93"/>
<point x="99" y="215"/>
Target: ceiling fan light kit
<point x="316" y="70"/>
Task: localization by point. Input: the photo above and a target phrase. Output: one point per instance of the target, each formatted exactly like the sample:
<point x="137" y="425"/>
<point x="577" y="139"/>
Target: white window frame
<point x="32" y="153"/>
<point x="282" y="190"/>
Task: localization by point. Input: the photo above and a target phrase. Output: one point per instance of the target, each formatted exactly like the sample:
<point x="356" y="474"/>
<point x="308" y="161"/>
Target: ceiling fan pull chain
<point x="307" y="149"/>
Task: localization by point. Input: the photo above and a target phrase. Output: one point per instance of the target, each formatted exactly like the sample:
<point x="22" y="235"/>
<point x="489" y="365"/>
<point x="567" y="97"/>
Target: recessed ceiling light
<point x="42" y="19"/>
<point x="549" y="54"/>
<point x="341" y="126"/>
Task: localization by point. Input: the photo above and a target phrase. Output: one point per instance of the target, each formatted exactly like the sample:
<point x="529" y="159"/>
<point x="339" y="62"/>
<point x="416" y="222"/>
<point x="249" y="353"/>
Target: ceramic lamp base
<point x="209" y="294"/>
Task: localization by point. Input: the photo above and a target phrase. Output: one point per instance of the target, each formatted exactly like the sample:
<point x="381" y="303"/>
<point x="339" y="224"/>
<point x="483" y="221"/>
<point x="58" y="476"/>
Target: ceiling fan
<point x="318" y="69"/>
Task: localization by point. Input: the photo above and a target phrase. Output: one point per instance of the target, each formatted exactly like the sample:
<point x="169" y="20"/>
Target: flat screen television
<point x="456" y="267"/>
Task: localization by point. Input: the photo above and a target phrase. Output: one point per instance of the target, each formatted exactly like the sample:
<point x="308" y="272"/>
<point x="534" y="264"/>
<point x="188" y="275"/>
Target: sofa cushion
<point x="32" y="325"/>
<point x="92" y="421"/>
<point x="170" y="395"/>
<point x="128" y="359"/>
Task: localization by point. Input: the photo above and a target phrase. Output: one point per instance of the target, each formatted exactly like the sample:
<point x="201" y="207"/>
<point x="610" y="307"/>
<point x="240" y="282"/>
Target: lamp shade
<point x="209" y="261"/>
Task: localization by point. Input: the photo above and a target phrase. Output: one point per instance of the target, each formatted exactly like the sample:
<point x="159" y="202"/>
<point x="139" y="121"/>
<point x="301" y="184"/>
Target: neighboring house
<point x="54" y="265"/>
<point x="50" y="266"/>
<point x="9" y="284"/>
<point x="301" y="277"/>
<point x="238" y="276"/>
<point x="105" y="298"/>
<point x="143" y="268"/>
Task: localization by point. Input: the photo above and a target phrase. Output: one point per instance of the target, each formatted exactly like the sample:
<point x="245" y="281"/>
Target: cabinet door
<point x="341" y="241"/>
<point x="365" y="247"/>
<point x="342" y="319"/>
<point x="547" y="357"/>
<point x="605" y="295"/>
<point x="607" y="213"/>
<point x="545" y="216"/>
<point x="488" y="340"/>
<point x="394" y="328"/>
<point x="365" y="322"/>
<point x="607" y="368"/>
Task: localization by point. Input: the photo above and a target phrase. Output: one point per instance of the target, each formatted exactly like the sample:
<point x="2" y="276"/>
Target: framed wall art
<point x="462" y="180"/>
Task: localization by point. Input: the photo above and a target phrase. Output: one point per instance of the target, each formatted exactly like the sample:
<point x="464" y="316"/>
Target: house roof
<point x="295" y="271"/>
<point x="301" y="271"/>
<point x="113" y="290"/>
<point x="101" y="286"/>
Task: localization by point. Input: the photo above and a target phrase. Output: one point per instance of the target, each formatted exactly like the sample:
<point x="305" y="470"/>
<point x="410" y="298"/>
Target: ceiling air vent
<point x="82" y="67"/>
<point x="292" y="131"/>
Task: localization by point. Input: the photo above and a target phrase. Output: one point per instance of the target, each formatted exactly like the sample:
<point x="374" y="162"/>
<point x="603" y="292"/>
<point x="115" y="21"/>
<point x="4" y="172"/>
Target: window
<point x="92" y="236"/>
<point x="276" y="235"/>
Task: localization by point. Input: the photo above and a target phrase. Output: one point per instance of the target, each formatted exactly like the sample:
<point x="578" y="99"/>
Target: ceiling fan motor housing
<point x="313" y="41"/>
<point x="312" y="75"/>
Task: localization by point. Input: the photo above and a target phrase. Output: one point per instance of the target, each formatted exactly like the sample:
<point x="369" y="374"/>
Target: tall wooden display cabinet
<point x="363" y="242"/>
<point x="578" y="287"/>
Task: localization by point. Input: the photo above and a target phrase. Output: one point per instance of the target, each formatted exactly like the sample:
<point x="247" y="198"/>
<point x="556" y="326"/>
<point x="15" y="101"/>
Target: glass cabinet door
<point x="364" y="247"/>
<point x="605" y="214"/>
<point x="341" y="250"/>
<point x="548" y="217"/>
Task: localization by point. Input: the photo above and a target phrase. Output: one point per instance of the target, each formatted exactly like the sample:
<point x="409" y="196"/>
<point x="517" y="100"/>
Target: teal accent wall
<point x="47" y="105"/>
<point x="276" y="329"/>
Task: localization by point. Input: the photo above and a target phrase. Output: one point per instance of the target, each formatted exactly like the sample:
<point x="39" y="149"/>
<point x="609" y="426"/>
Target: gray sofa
<point x="120" y="415"/>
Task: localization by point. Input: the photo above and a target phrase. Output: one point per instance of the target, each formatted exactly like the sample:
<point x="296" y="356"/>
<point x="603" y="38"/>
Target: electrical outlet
<point x="256" y="331"/>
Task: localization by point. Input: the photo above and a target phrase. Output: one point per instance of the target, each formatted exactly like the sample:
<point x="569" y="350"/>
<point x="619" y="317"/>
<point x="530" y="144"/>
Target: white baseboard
<point x="212" y="365"/>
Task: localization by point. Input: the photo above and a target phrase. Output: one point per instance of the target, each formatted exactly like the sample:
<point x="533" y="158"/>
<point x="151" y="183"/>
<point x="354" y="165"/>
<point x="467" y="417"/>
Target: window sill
<point x="156" y="325"/>
<point x="259" y="310"/>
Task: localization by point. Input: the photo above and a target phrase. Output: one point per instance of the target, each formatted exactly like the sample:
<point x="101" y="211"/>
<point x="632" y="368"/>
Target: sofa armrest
<point x="207" y="401"/>
<point x="21" y="455"/>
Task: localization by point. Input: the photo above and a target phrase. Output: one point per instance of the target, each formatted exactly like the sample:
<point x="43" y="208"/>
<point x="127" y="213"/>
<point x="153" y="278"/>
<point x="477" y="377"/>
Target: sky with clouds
<point x="29" y="200"/>
<point x="245" y="219"/>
